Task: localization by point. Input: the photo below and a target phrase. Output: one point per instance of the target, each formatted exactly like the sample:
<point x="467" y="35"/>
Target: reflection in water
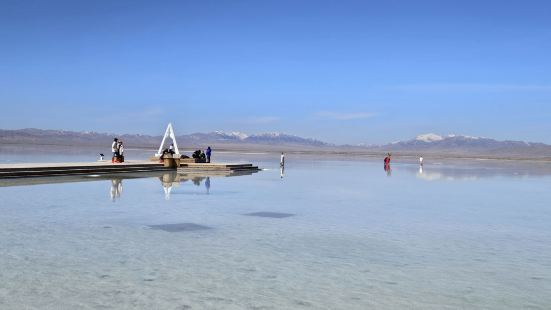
<point x="282" y="171"/>
<point x="169" y="180"/>
<point x="116" y="189"/>
<point x="474" y="171"/>
<point x="207" y="185"/>
<point x="388" y="170"/>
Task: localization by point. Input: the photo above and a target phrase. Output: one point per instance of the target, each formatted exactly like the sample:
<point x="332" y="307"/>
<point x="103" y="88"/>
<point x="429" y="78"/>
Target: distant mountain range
<point x="62" y="137"/>
<point x="467" y="146"/>
<point x="422" y="145"/>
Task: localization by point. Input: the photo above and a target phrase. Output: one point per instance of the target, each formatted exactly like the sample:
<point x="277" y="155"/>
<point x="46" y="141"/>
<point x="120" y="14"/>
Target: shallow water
<point x="328" y="234"/>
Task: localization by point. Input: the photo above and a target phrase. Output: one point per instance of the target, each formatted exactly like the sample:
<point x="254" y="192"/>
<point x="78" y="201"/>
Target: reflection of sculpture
<point x="116" y="189"/>
<point x="168" y="180"/>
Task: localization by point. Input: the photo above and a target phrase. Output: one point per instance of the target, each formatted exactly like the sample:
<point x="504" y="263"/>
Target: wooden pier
<point x="31" y="170"/>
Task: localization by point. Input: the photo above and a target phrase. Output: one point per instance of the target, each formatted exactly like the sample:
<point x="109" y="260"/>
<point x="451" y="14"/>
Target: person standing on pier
<point x="208" y="152"/>
<point x="114" y="149"/>
<point x="121" y="152"/>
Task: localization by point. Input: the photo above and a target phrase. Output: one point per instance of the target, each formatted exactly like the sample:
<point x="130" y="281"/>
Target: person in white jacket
<point x="114" y="149"/>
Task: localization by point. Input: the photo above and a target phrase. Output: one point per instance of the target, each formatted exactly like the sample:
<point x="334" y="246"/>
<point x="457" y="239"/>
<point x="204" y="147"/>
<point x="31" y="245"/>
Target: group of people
<point x="199" y="155"/>
<point x="117" y="148"/>
<point x="203" y="156"/>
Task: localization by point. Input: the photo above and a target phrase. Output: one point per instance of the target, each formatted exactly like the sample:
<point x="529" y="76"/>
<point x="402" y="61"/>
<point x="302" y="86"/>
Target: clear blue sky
<point x="340" y="71"/>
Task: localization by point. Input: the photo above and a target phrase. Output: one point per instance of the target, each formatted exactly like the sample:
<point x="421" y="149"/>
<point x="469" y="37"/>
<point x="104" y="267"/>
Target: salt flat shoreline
<point x="342" y="152"/>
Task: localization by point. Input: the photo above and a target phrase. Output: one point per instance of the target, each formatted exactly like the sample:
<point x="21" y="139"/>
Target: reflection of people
<point x="282" y="171"/>
<point x="197" y="180"/>
<point x="208" y="152"/>
<point x="207" y="184"/>
<point x="388" y="170"/>
<point x="116" y="189"/>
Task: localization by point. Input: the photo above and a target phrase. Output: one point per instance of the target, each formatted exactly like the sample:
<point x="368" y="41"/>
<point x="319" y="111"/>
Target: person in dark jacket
<point x="208" y="153"/>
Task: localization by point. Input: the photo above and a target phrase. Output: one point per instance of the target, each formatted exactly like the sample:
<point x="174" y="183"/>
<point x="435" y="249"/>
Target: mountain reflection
<point x="475" y="171"/>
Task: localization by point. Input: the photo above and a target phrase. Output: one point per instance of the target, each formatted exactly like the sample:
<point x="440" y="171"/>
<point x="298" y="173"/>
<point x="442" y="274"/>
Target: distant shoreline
<point x="259" y="149"/>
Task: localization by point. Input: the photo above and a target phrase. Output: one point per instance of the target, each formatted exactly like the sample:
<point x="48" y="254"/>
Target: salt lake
<point x="325" y="233"/>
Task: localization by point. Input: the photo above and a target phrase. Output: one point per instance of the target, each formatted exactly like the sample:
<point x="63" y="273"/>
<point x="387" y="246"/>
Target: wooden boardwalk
<point x="31" y="170"/>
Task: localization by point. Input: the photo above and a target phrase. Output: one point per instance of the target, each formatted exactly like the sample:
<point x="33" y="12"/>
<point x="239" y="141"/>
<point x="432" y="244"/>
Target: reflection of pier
<point x="166" y="177"/>
<point x="218" y="168"/>
<point x="8" y="171"/>
<point x="169" y="180"/>
<point x="77" y="178"/>
<point x="174" y="179"/>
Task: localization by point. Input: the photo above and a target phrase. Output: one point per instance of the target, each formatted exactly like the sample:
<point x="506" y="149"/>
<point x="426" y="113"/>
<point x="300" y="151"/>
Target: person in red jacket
<point x="387" y="159"/>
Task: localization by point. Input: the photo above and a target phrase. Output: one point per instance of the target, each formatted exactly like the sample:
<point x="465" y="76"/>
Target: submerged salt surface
<point x="179" y="227"/>
<point x="462" y="238"/>
<point x="276" y="215"/>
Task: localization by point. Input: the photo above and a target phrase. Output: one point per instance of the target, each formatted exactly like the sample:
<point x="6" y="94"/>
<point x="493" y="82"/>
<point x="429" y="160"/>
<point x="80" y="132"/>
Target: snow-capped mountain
<point x="468" y="145"/>
<point x="429" y="137"/>
<point x="262" y="138"/>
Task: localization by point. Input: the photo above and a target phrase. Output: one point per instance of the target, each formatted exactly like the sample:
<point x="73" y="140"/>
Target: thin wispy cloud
<point x="473" y="87"/>
<point x="343" y="116"/>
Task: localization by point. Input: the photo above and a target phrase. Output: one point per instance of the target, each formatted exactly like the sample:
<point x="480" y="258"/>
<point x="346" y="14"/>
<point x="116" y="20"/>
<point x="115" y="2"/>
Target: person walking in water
<point x="208" y="152"/>
<point x="282" y="160"/>
<point x="387" y="159"/>
<point x="421" y="160"/>
<point x="114" y="149"/>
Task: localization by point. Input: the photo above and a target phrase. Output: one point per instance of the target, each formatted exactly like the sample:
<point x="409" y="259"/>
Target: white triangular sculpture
<point x="168" y="133"/>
